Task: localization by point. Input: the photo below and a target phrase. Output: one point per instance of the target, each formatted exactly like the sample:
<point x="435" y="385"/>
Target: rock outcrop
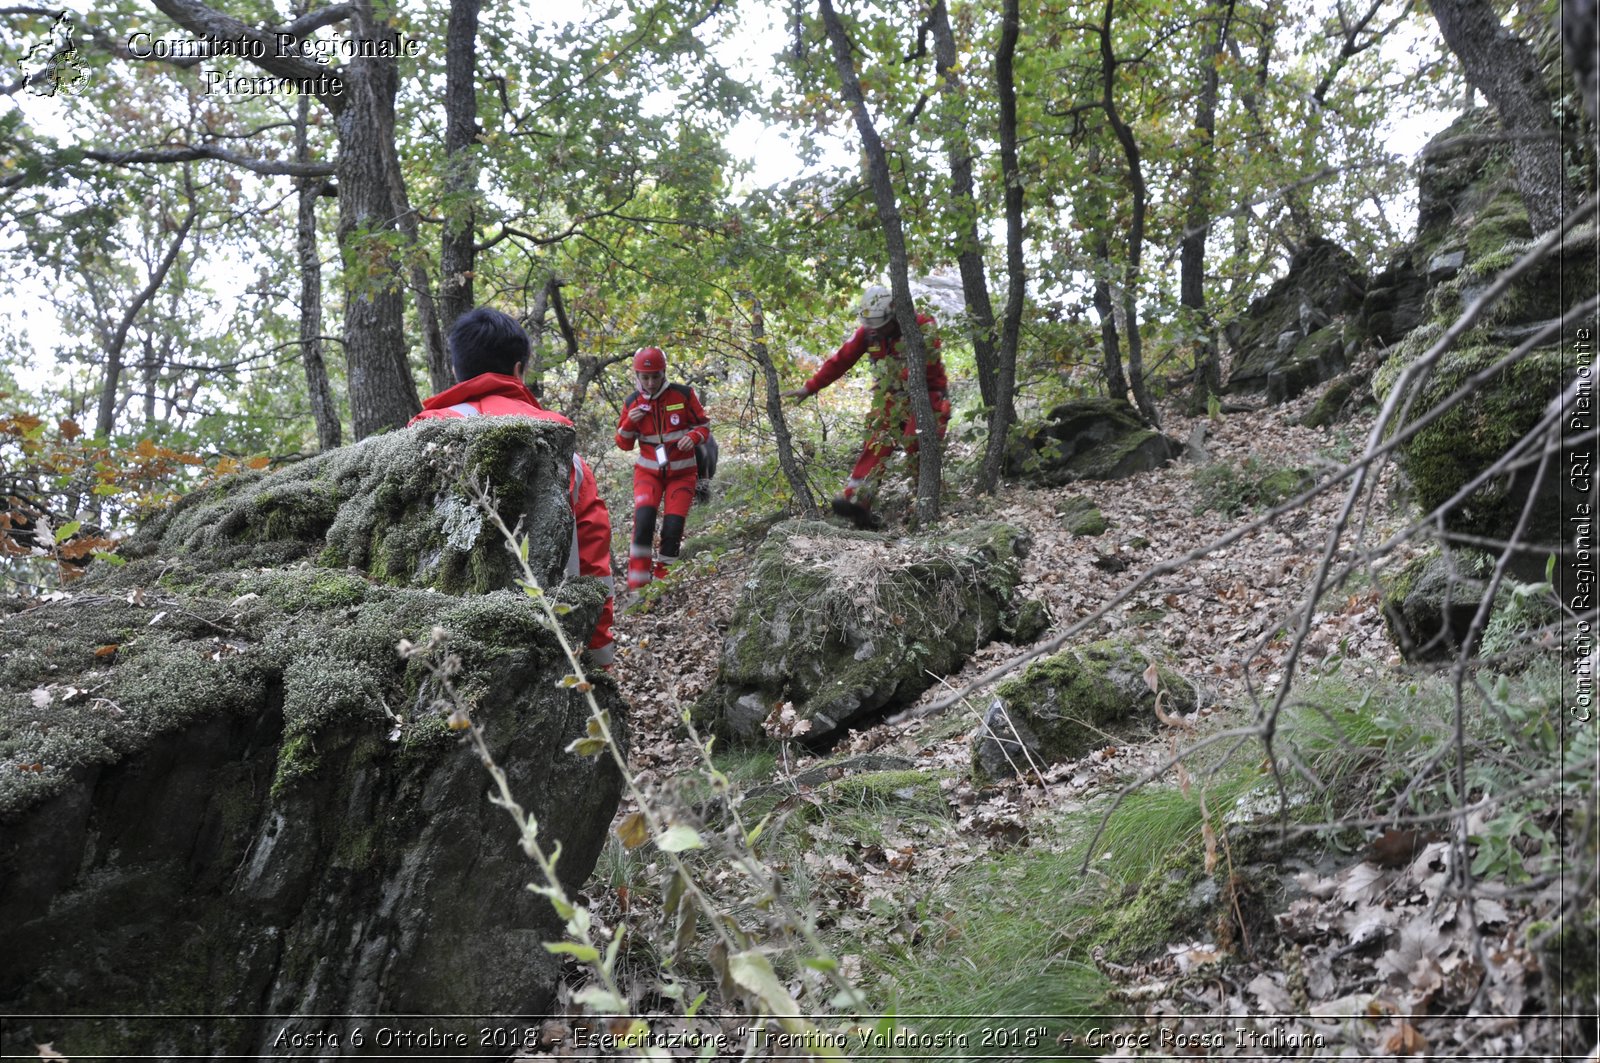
<point x="843" y="626"/>
<point x="1069" y="704"/>
<point x="1293" y="337"/>
<point x="226" y="794"/>
<point x="1092" y="439"/>
<point x="1472" y="228"/>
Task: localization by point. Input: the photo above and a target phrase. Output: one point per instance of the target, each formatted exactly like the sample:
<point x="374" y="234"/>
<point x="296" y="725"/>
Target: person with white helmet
<point x="666" y="422"/>
<point x="891" y="424"/>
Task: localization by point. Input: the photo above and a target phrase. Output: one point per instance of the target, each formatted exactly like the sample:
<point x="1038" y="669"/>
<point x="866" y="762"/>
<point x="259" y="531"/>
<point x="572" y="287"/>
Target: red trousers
<point x="654" y="491"/>
<point x="883" y="438"/>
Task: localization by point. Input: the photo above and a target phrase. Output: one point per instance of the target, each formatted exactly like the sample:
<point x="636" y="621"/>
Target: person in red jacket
<point x="891" y="424"/>
<point x="488" y="352"/>
<point x="665" y="422"/>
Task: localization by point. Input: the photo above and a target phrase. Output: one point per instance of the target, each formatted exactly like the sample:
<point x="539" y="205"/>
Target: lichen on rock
<point x="846" y="625"/>
<point x="218" y="743"/>
<point x="396" y="506"/>
<point x="1073" y="702"/>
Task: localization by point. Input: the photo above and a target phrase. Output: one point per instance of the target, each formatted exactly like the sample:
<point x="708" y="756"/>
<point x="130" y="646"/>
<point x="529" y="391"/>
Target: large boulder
<point x="226" y="793"/>
<point x="1092" y="439"/>
<point x="1291" y="338"/>
<point x="846" y="625"/>
<point x="1069" y="704"/>
<point x="1472" y="227"/>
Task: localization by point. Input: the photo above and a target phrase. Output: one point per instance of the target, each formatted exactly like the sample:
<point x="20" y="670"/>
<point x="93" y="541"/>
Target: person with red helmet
<point x="488" y="351"/>
<point x="665" y="423"/>
<point x="891" y="424"/>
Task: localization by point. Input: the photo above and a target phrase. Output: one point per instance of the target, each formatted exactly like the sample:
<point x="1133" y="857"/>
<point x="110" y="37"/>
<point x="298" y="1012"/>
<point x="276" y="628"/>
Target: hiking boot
<point x="857" y="514"/>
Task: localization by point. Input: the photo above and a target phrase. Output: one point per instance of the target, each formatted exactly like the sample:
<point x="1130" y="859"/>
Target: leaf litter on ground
<point x="1370" y="960"/>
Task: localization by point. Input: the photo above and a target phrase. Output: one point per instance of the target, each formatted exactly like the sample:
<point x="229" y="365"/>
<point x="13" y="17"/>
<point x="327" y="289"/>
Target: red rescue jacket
<point x="672" y="413"/>
<point x="880" y="346"/>
<point x="499" y="395"/>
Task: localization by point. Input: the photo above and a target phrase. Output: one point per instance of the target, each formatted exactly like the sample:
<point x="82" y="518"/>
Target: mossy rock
<point x="396" y="506"/>
<point x="1472" y="226"/>
<point x="1318" y="357"/>
<point x="1234" y="489"/>
<point x="1323" y="283"/>
<point x="1081" y="517"/>
<point x="1393" y="303"/>
<point x="1429" y="604"/>
<point x="847" y="625"/>
<point x="1092" y="439"/>
<point x="1454" y="449"/>
<point x="1031" y="621"/>
<point x="1542" y="293"/>
<point x="1340" y="401"/>
<point x="234" y="756"/>
<point x="1069" y="704"/>
<point x="1465" y="185"/>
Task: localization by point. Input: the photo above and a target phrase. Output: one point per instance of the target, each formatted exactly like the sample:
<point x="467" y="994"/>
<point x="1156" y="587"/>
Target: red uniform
<point x="664" y="473"/>
<point x="891" y="424"/>
<point x="498" y="395"/>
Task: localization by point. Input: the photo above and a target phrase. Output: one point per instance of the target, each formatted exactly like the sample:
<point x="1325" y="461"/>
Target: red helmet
<point x="649" y="360"/>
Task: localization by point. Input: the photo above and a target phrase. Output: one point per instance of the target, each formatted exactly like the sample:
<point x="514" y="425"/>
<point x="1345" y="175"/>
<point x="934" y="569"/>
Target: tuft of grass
<point x="1252" y="484"/>
<point x="1375" y="750"/>
<point x="1008" y="944"/>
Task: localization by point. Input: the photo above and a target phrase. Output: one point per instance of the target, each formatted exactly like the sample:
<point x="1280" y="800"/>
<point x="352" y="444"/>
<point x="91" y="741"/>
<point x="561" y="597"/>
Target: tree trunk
<point x="1130" y="276"/>
<point x="1002" y="414"/>
<point x="382" y="393"/>
<point x="107" y="414"/>
<point x="324" y="411"/>
<point x="1502" y="66"/>
<point x="969" y="257"/>
<point x="440" y="373"/>
<point x="780" y="426"/>
<point x="457" y="254"/>
<point x="929" y="448"/>
<point x="1100" y="252"/>
<point x="1197" y="221"/>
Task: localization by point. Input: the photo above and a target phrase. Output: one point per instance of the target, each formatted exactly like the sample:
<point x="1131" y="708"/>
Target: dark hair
<point x="486" y="340"/>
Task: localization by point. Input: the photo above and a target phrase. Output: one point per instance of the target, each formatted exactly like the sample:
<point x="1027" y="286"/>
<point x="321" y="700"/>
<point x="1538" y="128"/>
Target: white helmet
<point x="877" y="306"/>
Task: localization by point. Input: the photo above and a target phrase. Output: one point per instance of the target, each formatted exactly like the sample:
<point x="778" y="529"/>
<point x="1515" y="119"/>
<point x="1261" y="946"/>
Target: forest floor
<point x="1370" y="954"/>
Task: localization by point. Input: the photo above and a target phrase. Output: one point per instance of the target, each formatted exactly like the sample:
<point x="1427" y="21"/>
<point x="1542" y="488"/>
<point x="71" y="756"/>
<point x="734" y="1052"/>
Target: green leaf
<point x="680" y="837"/>
<point x="751" y="971"/>
<point x="562" y="906"/>
<point x="68" y="530"/>
<point x="584" y="953"/>
<point x="600" y="1001"/>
